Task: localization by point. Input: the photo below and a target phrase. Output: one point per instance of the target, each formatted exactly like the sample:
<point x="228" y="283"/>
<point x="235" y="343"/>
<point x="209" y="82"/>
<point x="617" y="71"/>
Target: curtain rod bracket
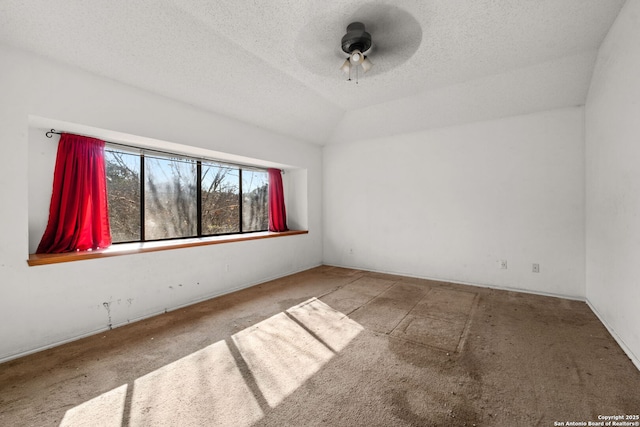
<point x="51" y="132"/>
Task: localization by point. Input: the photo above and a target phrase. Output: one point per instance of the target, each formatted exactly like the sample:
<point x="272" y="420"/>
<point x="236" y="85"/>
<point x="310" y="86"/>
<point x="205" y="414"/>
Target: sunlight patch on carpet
<point x="228" y="383"/>
<point x="282" y="354"/>
<point x="108" y="408"/>
<point x="332" y="327"/>
<point x="203" y="388"/>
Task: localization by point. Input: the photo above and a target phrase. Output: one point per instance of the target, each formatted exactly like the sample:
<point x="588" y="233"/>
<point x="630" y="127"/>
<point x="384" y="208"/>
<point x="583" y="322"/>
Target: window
<point x="160" y="197"/>
<point x="255" y="196"/>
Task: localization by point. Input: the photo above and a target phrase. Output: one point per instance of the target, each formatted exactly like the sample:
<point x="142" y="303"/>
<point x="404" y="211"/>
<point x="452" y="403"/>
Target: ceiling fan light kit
<point x="355" y="43"/>
<point x="346" y="66"/>
<point x="366" y="65"/>
<point x="356" y="57"/>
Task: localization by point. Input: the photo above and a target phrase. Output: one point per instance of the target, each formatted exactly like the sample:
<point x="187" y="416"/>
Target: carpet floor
<point x="335" y="347"/>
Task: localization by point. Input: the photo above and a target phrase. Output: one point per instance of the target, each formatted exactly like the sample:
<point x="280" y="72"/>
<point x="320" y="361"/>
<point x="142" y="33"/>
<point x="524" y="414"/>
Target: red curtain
<point x="78" y="216"/>
<point x="277" y="211"/>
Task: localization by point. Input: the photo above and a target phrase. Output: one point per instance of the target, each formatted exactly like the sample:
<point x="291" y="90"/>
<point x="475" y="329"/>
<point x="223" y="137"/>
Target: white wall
<point x="44" y="305"/>
<point x="448" y="203"/>
<point x="613" y="181"/>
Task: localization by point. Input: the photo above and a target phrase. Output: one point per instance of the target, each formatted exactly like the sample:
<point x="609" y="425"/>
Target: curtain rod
<point x="50" y="133"/>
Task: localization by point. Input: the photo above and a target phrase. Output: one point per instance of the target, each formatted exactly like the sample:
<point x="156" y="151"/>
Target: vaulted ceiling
<point x="275" y="64"/>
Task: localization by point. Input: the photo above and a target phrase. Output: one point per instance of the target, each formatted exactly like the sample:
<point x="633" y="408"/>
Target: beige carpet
<point x="335" y="347"/>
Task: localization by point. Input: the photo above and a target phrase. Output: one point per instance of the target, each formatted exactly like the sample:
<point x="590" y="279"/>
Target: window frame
<point x="143" y="153"/>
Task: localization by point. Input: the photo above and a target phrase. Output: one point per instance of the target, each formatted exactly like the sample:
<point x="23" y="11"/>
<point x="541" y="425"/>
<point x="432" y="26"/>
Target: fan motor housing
<point x="356" y="38"/>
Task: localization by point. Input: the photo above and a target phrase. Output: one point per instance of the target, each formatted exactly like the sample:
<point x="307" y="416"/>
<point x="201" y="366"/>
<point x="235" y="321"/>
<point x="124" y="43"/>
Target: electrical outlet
<point x="536" y="268"/>
<point x="503" y="264"/>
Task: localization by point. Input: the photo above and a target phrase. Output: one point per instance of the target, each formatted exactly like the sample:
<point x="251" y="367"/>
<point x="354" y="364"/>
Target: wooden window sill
<point x="137" y="248"/>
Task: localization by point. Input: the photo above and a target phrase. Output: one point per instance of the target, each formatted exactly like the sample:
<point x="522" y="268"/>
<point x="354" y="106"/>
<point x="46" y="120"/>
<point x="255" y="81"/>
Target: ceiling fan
<point x="356" y="42"/>
<point x="397" y="38"/>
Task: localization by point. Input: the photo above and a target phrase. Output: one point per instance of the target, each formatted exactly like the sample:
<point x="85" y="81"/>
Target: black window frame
<point x="199" y="162"/>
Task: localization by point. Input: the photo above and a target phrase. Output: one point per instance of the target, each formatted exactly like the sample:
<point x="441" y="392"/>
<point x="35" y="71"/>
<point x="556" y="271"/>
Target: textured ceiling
<point x="276" y="64"/>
